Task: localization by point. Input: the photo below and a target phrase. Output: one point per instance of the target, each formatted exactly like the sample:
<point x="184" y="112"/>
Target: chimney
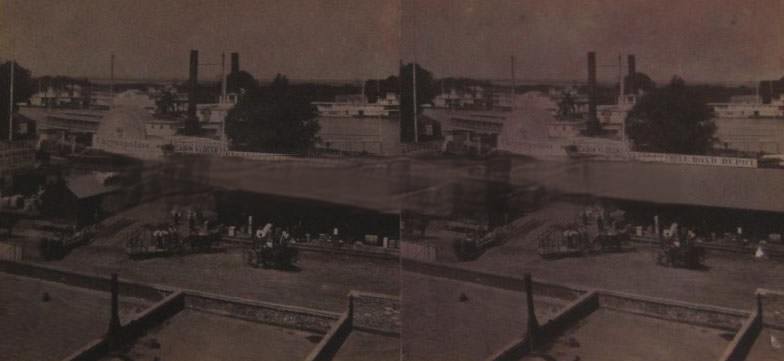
<point x="235" y="62"/>
<point x="592" y="87"/>
<point x="192" y="123"/>
<point x="632" y="85"/>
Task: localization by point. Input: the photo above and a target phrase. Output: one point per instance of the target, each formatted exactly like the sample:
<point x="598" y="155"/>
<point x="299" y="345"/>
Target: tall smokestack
<point x="235" y="62"/>
<point x="592" y="89"/>
<point x="632" y="86"/>
<point x="192" y="123"/>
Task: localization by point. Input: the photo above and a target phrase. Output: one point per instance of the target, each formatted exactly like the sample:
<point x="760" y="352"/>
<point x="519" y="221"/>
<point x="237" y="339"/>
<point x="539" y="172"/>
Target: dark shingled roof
<point x="88" y="185"/>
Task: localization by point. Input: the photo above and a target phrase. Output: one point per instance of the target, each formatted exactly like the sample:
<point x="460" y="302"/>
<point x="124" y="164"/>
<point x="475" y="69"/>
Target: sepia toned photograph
<point x="608" y="184"/>
<point x="200" y="180"/>
<point x="417" y="180"/>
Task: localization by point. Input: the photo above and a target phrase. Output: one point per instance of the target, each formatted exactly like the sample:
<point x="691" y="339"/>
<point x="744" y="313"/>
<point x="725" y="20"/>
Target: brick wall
<point x="696" y="314"/>
<point x="280" y="315"/>
<point x="376" y="312"/>
<point x="772" y="307"/>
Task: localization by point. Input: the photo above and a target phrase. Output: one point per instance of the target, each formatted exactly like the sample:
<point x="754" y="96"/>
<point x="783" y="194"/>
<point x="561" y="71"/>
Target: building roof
<point x="89" y="185"/>
<point x="124" y="122"/>
<point x="755" y="189"/>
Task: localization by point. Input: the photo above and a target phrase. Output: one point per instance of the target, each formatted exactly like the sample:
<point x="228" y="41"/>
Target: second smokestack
<point x="592" y="86"/>
<point x="235" y="62"/>
<point x="192" y="123"/>
<point x="632" y="85"/>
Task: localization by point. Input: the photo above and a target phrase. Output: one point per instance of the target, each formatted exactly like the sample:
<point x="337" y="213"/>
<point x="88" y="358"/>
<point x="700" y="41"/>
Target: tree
<point x="272" y="119"/>
<point x="23" y="90"/>
<point x="672" y="119"/>
<point x="379" y="88"/>
<point x="424" y="95"/>
<point x="641" y="80"/>
<point x="241" y="81"/>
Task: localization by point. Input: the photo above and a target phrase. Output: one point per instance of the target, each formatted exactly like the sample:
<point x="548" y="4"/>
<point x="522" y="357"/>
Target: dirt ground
<point x="768" y="346"/>
<point x="729" y="280"/>
<point x="453" y="321"/>
<point x="37" y="330"/>
<point x="360" y="346"/>
<point x="192" y="335"/>
<point x="321" y="281"/>
<point x="607" y="335"/>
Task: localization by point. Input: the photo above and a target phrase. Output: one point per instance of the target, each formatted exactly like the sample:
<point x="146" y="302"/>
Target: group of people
<point x="605" y="221"/>
<point x="575" y="238"/>
<point x="164" y="236"/>
<point x="194" y="217"/>
<point x="677" y="237"/>
<point x="270" y="236"/>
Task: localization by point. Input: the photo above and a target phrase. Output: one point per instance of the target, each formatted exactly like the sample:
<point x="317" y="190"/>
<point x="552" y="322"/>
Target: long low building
<point x="755" y="189"/>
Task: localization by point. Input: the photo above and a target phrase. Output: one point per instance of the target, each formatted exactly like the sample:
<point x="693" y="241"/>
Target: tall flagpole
<point x="11" y="85"/>
<point x="416" y="122"/>
<point x="111" y="81"/>
<point x="223" y="78"/>
<point x="11" y="102"/>
<point x="514" y="81"/>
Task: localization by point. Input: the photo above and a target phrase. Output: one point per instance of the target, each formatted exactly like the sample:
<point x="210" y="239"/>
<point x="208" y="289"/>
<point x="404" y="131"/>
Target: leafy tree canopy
<point x="672" y="119"/>
<point x="642" y="80"/>
<point x="272" y="119"/>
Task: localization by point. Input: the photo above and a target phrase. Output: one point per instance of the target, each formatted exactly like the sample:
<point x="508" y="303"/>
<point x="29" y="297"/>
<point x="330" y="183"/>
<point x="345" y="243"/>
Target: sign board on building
<point x="695" y="160"/>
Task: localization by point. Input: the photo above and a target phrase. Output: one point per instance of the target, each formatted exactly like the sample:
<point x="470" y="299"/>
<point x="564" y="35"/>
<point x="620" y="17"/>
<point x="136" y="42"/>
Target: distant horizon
<point x="697" y="40"/>
<point x="152" y="39"/>
<point x="496" y="81"/>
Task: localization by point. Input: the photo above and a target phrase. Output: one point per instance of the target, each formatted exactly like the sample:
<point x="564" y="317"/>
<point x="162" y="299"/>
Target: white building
<point x="745" y="108"/>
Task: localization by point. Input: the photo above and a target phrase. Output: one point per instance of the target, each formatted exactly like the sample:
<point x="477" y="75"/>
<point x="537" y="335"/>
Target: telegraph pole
<point x="111" y="81"/>
<point x="11" y="103"/>
<point x="414" y="71"/>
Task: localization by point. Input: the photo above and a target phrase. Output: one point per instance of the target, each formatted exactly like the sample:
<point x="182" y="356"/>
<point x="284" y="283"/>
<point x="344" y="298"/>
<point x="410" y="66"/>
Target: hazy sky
<point x="325" y="39"/>
<point x="720" y="40"/>
<point x="724" y="40"/>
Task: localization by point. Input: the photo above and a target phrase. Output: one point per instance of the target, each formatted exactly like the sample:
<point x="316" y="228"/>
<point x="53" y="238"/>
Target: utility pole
<point x="111" y="81"/>
<point x="514" y="82"/>
<point x="11" y="103"/>
<point x="11" y="88"/>
<point x="414" y="71"/>
<point x="223" y="78"/>
<point x="620" y="79"/>
<point x="416" y="124"/>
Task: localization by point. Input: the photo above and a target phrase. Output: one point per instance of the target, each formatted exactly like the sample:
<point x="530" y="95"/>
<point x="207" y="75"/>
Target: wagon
<point x="577" y="241"/>
<point x="281" y="256"/>
<point x="564" y="242"/>
<point x="689" y="255"/>
<point x="167" y="239"/>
